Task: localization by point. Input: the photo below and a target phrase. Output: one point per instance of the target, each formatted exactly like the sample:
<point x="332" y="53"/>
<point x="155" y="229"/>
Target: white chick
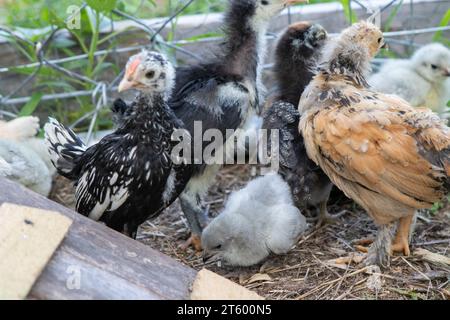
<point x="421" y="80"/>
<point x="19" y="129"/>
<point x="38" y="146"/>
<point x="24" y="166"/>
<point x="5" y="168"/>
<point x="26" y="156"/>
<point x="257" y="220"/>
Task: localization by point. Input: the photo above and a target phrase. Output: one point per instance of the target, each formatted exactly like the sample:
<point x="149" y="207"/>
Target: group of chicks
<point x="334" y="129"/>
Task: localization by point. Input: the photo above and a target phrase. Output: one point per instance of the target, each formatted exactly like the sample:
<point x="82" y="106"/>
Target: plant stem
<point x="94" y="42"/>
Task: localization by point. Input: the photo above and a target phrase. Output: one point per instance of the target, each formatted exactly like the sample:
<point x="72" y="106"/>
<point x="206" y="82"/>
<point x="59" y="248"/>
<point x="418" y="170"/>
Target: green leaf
<point x="444" y="22"/>
<point x="349" y="14"/>
<point x="436" y="207"/>
<point x="63" y="43"/>
<point x="56" y="84"/>
<point x="392" y="16"/>
<point x="205" y="36"/>
<point x="31" y="105"/>
<point x="102" y="5"/>
<point x="103" y="66"/>
<point x="51" y="17"/>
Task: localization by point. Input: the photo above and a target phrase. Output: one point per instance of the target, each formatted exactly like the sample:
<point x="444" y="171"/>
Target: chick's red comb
<point x="133" y="66"/>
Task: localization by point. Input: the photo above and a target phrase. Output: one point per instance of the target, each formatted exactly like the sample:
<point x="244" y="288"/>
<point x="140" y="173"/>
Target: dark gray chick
<point x="297" y="55"/>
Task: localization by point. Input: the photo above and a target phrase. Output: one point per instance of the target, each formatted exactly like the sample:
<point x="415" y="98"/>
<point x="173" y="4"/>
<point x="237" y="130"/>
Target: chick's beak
<point x="447" y="72"/>
<point x="206" y="256"/>
<point x="319" y="32"/>
<point x="210" y="256"/>
<point x="125" y="84"/>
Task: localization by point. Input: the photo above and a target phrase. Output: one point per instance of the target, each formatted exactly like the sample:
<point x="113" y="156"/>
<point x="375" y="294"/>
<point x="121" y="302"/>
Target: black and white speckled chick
<point x="129" y="176"/>
<point x="296" y="57"/>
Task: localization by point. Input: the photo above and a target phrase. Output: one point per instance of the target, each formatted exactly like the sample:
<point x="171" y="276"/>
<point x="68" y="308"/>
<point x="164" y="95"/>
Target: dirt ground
<point x="309" y="271"/>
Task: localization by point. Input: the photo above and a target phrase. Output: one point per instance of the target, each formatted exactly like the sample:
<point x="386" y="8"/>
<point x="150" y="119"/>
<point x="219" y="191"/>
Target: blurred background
<point x="64" y="57"/>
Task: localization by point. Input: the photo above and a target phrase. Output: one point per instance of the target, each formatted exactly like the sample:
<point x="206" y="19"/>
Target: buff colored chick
<point x="389" y="157"/>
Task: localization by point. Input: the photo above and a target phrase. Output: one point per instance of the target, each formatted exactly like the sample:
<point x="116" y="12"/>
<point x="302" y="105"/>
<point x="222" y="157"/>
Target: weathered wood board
<point x="210" y="286"/>
<point x="95" y="262"/>
<point x="28" y="239"/>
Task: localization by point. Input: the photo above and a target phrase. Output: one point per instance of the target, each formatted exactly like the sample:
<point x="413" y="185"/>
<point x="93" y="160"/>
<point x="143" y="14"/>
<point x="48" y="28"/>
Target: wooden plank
<point x="96" y="262"/>
<point x="28" y="239"/>
<point x="211" y="286"/>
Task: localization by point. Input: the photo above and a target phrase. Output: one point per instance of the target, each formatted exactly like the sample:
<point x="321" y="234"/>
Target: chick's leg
<point x="193" y="211"/>
<point x="325" y="217"/>
<point x="380" y="250"/>
<point x="401" y="242"/>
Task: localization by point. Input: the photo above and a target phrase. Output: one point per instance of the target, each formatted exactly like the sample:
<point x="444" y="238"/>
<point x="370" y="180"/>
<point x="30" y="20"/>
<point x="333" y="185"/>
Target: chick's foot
<point x="380" y="250"/>
<point x="194" y="241"/>
<point x="401" y="242"/>
<point x="325" y="217"/>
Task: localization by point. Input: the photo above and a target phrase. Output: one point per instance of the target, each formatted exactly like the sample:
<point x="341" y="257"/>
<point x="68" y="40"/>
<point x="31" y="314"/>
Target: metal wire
<point x="102" y="90"/>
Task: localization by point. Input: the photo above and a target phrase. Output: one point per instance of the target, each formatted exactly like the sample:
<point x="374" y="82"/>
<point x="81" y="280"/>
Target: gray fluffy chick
<point x="257" y="220"/>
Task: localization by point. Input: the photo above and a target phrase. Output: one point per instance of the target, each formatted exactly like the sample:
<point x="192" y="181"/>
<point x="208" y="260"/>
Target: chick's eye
<point x="150" y="74"/>
<point x="434" y="67"/>
<point x="264" y="2"/>
<point x="379" y="40"/>
<point x="218" y="247"/>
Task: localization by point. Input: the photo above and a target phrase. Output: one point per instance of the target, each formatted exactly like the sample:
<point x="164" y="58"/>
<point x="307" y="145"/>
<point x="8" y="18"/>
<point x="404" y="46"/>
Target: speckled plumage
<point x="122" y="179"/>
<point x="128" y="177"/>
<point x="297" y="55"/>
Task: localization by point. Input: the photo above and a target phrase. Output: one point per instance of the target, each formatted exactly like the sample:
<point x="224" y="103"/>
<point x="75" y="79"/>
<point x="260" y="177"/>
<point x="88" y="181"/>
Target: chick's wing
<point x="379" y="143"/>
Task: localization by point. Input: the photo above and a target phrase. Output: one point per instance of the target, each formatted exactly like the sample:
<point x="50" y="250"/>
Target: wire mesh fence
<point x="101" y="90"/>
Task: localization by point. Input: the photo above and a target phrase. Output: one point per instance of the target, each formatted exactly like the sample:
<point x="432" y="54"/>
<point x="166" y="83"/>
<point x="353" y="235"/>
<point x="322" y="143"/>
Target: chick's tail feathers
<point x="64" y="147"/>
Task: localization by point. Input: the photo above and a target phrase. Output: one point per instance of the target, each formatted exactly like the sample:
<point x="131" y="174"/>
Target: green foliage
<point x="102" y="5"/>
<point x="31" y="105"/>
<point x="21" y="15"/>
<point x="436" y="207"/>
<point x="349" y="14"/>
<point x="33" y="19"/>
<point x="438" y="36"/>
<point x="88" y="39"/>
<point x="392" y="15"/>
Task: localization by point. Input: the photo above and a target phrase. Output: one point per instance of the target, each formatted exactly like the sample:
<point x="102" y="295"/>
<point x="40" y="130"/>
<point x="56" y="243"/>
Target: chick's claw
<point x="401" y="245"/>
<point x="194" y="241"/>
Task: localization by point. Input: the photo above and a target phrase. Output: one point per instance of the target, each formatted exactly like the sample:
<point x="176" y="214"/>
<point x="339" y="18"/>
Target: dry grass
<point x="307" y="272"/>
